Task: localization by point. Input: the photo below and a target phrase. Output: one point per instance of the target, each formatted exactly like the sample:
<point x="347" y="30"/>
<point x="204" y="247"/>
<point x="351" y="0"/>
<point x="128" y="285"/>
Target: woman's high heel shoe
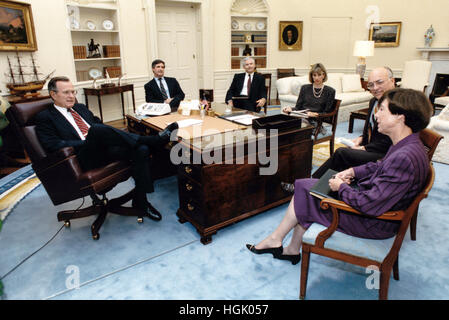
<point x="293" y="258"/>
<point x="276" y="252"/>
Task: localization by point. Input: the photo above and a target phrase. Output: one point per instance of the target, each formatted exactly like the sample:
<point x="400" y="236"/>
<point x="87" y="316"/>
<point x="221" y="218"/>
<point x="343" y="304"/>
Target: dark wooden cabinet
<point x="212" y="196"/>
<point x="215" y="195"/>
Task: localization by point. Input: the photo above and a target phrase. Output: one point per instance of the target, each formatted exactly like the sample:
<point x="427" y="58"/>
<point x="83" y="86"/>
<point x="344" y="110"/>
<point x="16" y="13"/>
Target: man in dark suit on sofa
<point x="250" y="86"/>
<point x="163" y="89"/>
<point x="69" y="124"/>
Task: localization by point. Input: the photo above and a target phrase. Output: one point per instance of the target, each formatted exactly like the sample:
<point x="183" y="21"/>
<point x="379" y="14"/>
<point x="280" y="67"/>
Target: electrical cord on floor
<point x="23" y="261"/>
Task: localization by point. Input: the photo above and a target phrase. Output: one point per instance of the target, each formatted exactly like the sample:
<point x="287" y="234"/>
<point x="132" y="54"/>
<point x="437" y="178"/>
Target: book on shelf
<point x="82" y="75"/>
<point x="260" y="51"/>
<point x="111" y="51"/>
<point x="234" y="51"/>
<point x="260" y="62"/>
<point x="79" y="52"/>
<point x="114" y="72"/>
<point x="235" y="64"/>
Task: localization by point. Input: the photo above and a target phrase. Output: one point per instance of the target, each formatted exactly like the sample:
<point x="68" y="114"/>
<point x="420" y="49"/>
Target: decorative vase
<point x="428" y="37"/>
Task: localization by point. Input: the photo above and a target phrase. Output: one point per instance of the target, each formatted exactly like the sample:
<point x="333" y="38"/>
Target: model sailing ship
<point x="25" y="83"/>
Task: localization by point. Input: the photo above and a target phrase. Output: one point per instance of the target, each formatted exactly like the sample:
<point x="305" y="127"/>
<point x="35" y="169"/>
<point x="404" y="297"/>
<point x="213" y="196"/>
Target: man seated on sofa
<point x="249" y="86"/>
<point x="371" y="145"/>
<point x="70" y="124"/>
<point x="163" y="89"/>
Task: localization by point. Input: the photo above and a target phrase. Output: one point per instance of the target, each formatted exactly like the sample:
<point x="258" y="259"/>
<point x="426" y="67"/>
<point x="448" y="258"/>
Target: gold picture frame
<point x="290" y="35"/>
<point x="385" y="34"/>
<point x="16" y="27"/>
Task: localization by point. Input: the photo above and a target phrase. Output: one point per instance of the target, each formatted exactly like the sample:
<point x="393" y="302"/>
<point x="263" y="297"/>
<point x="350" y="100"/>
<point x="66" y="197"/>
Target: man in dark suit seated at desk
<point x="248" y="88"/>
<point x="69" y="124"/>
<point x="163" y="89"/>
<point x="371" y="145"/>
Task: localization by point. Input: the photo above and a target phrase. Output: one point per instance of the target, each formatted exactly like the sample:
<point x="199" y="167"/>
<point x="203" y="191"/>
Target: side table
<point x="109" y="90"/>
<point x="359" y="114"/>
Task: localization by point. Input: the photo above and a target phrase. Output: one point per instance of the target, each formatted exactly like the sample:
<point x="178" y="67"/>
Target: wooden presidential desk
<point x="219" y="174"/>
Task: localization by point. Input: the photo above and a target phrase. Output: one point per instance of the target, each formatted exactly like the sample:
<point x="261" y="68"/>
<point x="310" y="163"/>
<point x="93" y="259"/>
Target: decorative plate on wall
<point x="260" y="25"/>
<point x="90" y="25"/>
<point x="95" y="73"/>
<point x="108" y="25"/>
<point x="247" y="26"/>
<point x="74" y="24"/>
<point x="234" y="25"/>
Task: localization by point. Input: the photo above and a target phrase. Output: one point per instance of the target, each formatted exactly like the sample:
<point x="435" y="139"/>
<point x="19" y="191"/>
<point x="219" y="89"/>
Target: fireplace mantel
<point x="439" y="53"/>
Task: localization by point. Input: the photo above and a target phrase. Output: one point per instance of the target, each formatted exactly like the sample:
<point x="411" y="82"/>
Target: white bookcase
<point x="99" y="22"/>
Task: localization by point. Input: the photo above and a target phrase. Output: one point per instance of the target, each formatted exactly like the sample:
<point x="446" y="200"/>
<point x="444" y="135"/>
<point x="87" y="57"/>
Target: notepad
<point x="322" y="190"/>
<point x="187" y="123"/>
<point x="246" y="119"/>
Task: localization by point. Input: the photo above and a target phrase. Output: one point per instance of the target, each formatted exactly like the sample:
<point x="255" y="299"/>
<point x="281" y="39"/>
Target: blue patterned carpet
<point x="165" y="260"/>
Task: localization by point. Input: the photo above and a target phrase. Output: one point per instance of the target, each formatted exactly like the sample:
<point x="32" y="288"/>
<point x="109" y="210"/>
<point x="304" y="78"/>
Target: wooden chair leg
<point x="304" y="271"/>
<point x="413" y="223"/>
<point x="384" y="283"/>
<point x="396" y="269"/>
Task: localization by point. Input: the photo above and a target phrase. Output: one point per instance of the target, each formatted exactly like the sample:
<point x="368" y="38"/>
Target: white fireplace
<point x="440" y="62"/>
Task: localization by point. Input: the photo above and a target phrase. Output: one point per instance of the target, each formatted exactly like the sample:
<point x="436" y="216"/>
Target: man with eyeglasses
<point x="371" y="145"/>
<point x="70" y="124"/>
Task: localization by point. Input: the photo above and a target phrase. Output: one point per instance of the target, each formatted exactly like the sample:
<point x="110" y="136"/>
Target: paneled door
<point x="177" y="43"/>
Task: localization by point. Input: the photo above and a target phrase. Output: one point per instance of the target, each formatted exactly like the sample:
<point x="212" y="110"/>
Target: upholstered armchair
<point x="416" y="75"/>
<point x="383" y="254"/>
<point x="62" y="177"/>
<point x="440" y="124"/>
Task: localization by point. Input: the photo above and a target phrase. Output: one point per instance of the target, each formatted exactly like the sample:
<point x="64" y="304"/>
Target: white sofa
<point x="348" y="89"/>
<point x="440" y="124"/>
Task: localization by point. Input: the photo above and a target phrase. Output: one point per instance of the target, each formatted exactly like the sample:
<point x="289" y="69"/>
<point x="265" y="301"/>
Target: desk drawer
<point x="190" y="171"/>
<point x="192" y="209"/>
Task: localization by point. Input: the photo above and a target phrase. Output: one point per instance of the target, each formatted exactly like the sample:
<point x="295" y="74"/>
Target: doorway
<point x="177" y="24"/>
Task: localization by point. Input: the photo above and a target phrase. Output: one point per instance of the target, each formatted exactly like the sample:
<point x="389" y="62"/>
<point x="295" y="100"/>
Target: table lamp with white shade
<point x="363" y="49"/>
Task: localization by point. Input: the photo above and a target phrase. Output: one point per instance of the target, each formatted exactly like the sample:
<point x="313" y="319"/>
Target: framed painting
<point x="385" y="34"/>
<point x="16" y="27"/>
<point x="290" y="35"/>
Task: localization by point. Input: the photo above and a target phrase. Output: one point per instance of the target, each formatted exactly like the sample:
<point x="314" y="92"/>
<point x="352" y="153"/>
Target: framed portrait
<point x="290" y="35"/>
<point x="16" y="27"/>
<point x="385" y="34"/>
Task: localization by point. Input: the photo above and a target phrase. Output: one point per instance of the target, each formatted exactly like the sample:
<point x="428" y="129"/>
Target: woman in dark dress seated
<point x="315" y="97"/>
<point x="388" y="184"/>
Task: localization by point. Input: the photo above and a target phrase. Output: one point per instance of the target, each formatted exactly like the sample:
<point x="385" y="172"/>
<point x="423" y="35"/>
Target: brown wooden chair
<point x="62" y="176"/>
<point x="383" y="254"/>
<point x="267" y="77"/>
<point x="330" y="119"/>
<point x="430" y="139"/>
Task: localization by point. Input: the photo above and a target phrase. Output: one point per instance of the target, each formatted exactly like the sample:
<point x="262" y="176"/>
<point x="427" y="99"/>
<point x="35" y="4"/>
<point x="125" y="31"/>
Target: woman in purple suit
<point x="388" y="184"/>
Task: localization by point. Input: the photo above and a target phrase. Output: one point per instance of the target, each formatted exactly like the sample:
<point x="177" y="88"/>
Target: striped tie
<point x="164" y="93"/>
<point x="79" y="122"/>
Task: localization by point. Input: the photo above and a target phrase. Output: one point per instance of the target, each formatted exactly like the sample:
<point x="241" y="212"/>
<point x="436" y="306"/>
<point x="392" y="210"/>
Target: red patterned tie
<point x="249" y="84"/>
<point x="79" y="122"/>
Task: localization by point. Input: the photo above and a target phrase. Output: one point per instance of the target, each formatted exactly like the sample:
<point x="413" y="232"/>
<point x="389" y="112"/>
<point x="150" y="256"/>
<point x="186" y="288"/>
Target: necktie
<point x="248" y="85"/>
<point x="79" y="122"/>
<point x="164" y="93"/>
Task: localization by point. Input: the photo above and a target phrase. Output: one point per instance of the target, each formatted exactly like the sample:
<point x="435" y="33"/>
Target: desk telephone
<point x="153" y="109"/>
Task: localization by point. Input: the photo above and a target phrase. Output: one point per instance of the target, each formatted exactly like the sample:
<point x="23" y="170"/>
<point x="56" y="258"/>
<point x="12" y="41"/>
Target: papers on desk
<point x="153" y="109"/>
<point x="245" y="119"/>
<point x="188" y="122"/>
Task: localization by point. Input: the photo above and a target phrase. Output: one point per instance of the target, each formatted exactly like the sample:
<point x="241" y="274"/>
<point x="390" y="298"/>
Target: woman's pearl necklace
<point x="317" y="94"/>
